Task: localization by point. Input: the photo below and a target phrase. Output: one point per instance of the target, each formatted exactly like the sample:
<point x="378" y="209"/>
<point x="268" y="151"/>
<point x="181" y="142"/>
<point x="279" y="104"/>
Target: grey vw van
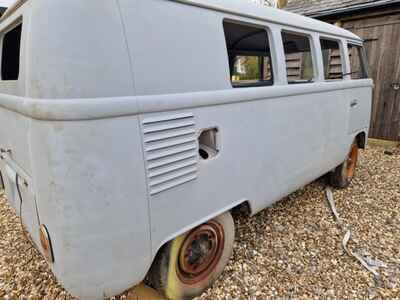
<point x="131" y="128"/>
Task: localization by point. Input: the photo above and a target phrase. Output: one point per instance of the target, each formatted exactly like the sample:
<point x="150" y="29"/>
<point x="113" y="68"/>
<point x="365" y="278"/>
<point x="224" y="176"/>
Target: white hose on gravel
<point x="371" y="265"/>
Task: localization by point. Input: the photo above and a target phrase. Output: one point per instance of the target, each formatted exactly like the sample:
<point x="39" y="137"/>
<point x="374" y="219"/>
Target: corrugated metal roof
<point x="329" y="7"/>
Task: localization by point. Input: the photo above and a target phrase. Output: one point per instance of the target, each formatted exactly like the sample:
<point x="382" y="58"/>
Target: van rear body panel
<point x="95" y="208"/>
<point x="102" y="128"/>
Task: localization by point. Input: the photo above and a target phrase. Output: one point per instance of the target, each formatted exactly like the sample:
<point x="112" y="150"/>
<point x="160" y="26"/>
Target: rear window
<point x="331" y="54"/>
<point x="299" y="60"/>
<point x="10" y="57"/>
<point x="358" y="62"/>
<point x="249" y="55"/>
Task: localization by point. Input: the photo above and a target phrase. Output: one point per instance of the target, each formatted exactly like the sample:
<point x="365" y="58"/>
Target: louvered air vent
<point x="170" y="146"/>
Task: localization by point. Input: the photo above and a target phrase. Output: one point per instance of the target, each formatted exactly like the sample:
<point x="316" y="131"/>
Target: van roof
<point x="247" y="9"/>
<point x="12" y="8"/>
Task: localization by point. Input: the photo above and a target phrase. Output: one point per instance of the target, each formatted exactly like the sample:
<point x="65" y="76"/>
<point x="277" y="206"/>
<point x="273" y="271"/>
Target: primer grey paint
<point x="103" y="124"/>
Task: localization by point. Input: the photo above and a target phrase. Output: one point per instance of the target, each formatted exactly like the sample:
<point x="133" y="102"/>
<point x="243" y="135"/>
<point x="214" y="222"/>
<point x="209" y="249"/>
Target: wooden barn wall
<point x="381" y="31"/>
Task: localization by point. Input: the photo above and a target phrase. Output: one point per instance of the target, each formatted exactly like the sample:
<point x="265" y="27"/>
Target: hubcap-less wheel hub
<point x="200" y="252"/>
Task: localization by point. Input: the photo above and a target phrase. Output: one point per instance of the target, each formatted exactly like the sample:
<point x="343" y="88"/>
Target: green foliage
<point x="247" y="68"/>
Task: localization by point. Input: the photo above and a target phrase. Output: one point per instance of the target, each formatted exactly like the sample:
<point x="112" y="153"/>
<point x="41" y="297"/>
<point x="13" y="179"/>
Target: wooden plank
<point x="376" y="13"/>
<point x="374" y="51"/>
<point x="293" y="64"/>
<point x="396" y="109"/>
<point x="376" y="25"/>
<point x="390" y="93"/>
<point x="377" y="56"/>
<point x="293" y="72"/>
<point x="383" y="143"/>
<point x="394" y="116"/>
<point x="379" y="79"/>
<point x="387" y="68"/>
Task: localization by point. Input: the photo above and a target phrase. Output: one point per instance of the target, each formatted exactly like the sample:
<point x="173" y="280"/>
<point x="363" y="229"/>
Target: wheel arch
<point x="243" y="206"/>
<point x="361" y="139"/>
<point x="1" y="182"/>
<point x="172" y="273"/>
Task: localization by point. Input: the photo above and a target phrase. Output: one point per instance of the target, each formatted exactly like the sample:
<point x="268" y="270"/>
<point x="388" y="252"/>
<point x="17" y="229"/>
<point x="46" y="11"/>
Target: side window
<point x="332" y="58"/>
<point x="358" y="62"/>
<point x="249" y="55"/>
<point x="11" y="54"/>
<point x="299" y="61"/>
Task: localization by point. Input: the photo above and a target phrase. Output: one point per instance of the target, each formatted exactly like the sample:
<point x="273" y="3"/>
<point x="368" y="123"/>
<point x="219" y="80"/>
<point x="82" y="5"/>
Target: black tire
<point x="1" y="182"/>
<point x="166" y="273"/>
<point x="342" y="176"/>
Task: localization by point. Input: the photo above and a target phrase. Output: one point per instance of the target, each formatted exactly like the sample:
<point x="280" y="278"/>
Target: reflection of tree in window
<point x="249" y="55"/>
<point x="251" y="68"/>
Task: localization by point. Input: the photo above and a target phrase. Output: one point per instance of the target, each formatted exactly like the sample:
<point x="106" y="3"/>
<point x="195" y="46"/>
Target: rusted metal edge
<point x="12" y="9"/>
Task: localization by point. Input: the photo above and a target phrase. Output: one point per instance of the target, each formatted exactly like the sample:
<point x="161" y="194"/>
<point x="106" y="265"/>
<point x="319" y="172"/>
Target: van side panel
<point x="336" y="126"/>
<point x="91" y="195"/>
<point x="360" y="106"/>
<point x="15" y="136"/>
<point x="77" y="49"/>
<point x="267" y="149"/>
<point x="114" y="178"/>
<point x="169" y="45"/>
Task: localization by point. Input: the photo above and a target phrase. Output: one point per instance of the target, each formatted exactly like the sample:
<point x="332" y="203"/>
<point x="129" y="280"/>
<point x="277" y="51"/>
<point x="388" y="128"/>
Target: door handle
<point x="354" y="103"/>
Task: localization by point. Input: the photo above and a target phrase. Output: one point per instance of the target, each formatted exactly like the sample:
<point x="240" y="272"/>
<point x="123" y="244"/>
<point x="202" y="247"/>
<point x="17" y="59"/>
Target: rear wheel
<point x="188" y="265"/>
<point x="342" y="176"/>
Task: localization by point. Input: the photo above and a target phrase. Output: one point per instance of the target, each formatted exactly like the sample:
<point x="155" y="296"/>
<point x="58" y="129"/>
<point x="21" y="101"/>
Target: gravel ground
<point x="291" y="250"/>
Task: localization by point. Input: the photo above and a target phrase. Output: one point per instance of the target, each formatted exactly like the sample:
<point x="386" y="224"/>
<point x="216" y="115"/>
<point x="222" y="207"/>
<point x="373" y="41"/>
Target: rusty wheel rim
<point x="200" y="252"/>
<point x="352" y="162"/>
